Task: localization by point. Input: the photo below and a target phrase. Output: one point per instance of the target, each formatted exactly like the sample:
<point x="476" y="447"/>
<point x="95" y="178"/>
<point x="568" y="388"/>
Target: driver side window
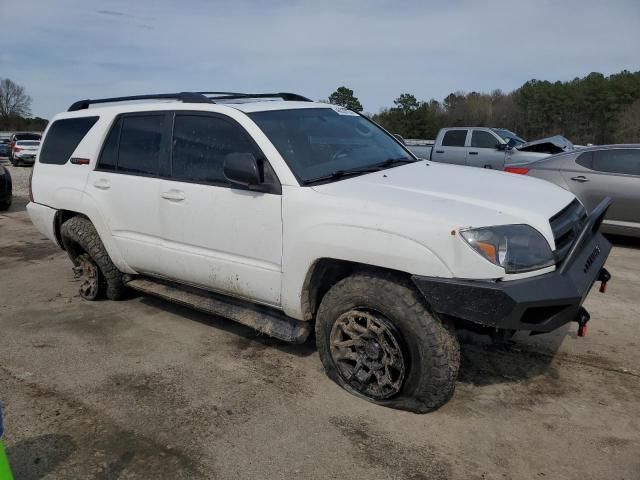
<point x="200" y="144"/>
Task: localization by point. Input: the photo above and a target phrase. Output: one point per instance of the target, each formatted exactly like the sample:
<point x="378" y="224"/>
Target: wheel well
<point x="325" y="273"/>
<point x="61" y="217"/>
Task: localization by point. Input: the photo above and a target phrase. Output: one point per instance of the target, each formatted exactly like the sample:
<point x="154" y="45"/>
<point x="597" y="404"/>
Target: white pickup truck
<point x="485" y="147"/>
<point x="287" y="215"/>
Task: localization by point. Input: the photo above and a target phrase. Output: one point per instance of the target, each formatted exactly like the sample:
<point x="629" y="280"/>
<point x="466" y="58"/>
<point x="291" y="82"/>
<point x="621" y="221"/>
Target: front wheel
<point x="377" y="340"/>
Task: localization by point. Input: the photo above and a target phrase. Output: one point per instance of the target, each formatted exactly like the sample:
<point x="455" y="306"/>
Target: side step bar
<point x="263" y="319"/>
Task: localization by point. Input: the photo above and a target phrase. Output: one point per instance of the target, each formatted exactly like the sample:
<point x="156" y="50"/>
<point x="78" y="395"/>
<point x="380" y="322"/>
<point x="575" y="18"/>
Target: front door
<point x="217" y="236"/>
<point x="482" y="151"/>
<point x="451" y="149"/>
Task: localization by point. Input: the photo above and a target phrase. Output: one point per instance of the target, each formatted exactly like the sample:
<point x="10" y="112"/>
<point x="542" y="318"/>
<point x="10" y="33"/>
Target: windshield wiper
<point x="341" y="174"/>
<point x="390" y="162"/>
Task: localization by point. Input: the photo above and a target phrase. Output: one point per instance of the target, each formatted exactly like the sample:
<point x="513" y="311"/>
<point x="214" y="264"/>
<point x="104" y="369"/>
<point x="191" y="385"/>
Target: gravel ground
<point x="145" y="389"/>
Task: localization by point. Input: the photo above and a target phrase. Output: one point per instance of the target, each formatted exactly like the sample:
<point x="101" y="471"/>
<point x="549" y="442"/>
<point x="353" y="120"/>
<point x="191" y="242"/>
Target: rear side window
<point x="454" y="138"/>
<point x="200" y="145"/>
<point x="140" y="144"/>
<point x="63" y="138"/>
<point x="109" y="155"/>
<point x="625" y="161"/>
<point x="482" y="139"/>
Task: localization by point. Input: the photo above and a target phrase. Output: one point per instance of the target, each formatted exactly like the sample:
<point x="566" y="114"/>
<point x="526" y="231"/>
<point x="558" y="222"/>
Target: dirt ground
<point x="144" y="389"/>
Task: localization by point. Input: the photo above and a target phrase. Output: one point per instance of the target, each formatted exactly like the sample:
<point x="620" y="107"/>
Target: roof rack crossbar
<point x="186" y="97"/>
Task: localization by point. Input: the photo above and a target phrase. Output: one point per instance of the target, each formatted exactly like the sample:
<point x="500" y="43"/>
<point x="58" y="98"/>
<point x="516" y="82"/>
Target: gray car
<point x="593" y="173"/>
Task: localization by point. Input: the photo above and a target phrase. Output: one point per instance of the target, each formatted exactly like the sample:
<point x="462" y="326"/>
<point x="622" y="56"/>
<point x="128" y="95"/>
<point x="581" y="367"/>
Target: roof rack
<point x="292" y="97"/>
<point x="188" y="97"/>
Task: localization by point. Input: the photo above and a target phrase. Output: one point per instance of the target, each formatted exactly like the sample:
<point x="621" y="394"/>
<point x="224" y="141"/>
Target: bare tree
<point x="14" y="102"/>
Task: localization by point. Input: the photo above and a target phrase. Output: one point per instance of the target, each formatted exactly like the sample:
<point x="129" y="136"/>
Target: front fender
<point x="368" y="246"/>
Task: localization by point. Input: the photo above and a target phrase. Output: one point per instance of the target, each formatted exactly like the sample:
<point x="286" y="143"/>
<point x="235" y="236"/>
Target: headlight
<point x="516" y="248"/>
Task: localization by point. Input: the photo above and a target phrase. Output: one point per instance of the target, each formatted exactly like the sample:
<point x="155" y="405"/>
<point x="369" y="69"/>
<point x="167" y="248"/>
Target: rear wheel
<point x="377" y="340"/>
<point x="92" y="264"/>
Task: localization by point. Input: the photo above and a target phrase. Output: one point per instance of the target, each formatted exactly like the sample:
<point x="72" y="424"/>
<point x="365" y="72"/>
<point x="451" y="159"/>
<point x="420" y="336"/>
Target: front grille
<point x="566" y="225"/>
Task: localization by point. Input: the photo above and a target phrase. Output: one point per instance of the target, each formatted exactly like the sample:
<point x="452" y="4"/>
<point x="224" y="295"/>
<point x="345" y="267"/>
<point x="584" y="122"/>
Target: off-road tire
<point x="80" y="232"/>
<point x="432" y="351"/>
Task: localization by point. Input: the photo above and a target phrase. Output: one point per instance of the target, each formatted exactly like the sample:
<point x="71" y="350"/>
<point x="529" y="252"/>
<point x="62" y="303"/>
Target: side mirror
<point x="242" y="169"/>
<point x="501" y="146"/>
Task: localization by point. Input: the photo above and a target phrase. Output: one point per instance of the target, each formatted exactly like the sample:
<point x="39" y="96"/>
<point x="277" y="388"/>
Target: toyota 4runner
<point x="286" y="215"/>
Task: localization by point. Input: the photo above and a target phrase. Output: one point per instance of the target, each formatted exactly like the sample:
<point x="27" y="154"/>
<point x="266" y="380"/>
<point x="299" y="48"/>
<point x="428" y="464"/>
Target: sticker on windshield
<point x="344" y="111"/>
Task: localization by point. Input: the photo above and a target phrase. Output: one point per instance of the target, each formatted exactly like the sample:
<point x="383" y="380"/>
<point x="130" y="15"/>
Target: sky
<point x="66" y="50"/>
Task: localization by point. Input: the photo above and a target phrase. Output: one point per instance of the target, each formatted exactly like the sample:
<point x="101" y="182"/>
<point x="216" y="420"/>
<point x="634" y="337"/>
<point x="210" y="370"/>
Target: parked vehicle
<point x="21" y="136"/>
<point x="4" y="147"/>
<point x="487" y="147"/>
<point x="420" y="148"/>
<point x="281" y="213"/>
<point x="24" y="151"/>
<point x="6" y="189"/>
<point x="593" y="173"/>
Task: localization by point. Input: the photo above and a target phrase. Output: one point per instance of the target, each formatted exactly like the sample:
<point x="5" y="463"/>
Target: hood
<point x="549" y="145"/>
<point x="457" y="196"/>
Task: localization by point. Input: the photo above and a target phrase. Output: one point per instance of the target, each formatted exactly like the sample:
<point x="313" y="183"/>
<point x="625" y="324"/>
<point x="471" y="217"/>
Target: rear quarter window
<point x="63" y="137"/>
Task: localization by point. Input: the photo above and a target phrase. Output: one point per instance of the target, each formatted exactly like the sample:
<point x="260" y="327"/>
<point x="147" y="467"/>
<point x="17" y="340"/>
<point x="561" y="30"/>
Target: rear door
<point x="482" y="151"/>
<point x="126" y="187"/>
<point x="221" y="237"/>
<point x="614" y="173"/>
<point x="451" y="148"/>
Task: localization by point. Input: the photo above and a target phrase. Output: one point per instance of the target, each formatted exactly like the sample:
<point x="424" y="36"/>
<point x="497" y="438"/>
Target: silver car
<point x="593" y="173"/>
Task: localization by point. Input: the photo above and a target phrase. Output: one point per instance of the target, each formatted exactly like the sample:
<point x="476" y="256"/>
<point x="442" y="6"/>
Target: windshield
<point x="507" y="135"/>
<point x="320" y="142"/>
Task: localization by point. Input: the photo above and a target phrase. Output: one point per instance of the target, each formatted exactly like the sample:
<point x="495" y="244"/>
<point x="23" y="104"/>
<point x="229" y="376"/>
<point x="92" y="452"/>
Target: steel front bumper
<point x="539" y="304"/>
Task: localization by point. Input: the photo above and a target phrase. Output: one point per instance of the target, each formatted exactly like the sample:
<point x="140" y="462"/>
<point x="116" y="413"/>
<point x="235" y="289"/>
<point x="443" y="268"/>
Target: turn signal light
<point x="517" y="170"/>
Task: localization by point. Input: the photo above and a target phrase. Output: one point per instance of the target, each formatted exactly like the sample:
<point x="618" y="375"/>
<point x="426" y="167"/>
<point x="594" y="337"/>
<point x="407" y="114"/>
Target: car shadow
<point x="18" y="204"/>
<point x="248" y="334"/>
<point x="37" y="457"/>
<point x="483" y="363"/>
<point x="623" y="241"/>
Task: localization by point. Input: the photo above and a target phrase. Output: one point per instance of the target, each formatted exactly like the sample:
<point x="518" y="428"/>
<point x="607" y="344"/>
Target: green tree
<point x="344" y="96"/>
<point x="406" y="102"/>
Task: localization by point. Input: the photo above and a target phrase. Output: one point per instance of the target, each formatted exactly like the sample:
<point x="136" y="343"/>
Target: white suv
<point x="281" y="213"/>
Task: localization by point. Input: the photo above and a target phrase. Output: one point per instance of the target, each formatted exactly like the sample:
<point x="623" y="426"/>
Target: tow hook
<point x="582" y="318"/>
<point x="604" y="276"/>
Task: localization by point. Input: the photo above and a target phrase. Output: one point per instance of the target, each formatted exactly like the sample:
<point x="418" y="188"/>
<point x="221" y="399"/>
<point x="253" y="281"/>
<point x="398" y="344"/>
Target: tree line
<point x="594" y="109"/>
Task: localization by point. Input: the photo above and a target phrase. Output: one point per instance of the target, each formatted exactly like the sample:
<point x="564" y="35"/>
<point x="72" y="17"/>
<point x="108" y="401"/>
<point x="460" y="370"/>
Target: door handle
<point x="102" y="184"/>
<point x="473" y="153"/>
<point x="439" y="151"/>
<point x="174" y="195"/>
<point x="580" y="178"/>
